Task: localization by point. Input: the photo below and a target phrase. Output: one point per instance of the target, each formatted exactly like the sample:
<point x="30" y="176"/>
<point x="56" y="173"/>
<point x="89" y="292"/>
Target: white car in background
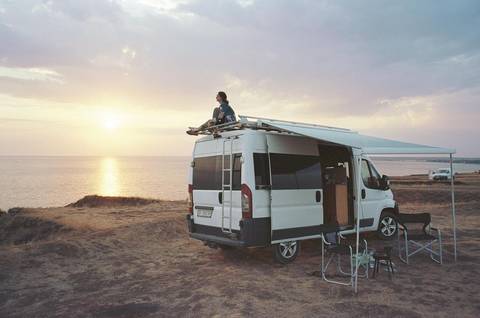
<point x="440" y="174"/>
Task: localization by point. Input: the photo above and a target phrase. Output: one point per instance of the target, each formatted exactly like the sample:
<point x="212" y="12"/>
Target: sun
<point x="110" y="122"/>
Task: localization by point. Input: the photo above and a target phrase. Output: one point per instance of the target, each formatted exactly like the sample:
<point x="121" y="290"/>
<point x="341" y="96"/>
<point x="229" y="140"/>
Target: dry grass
<point x="137" y="261"/>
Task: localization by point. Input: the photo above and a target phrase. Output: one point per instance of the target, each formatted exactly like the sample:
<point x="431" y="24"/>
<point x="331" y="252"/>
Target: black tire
<point x="387" y="226"/>
<point x="225" y="247"/>
<point x="286" y="252"/>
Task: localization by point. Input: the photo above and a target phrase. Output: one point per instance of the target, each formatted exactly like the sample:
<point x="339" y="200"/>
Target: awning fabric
<point x="368" y="144"/>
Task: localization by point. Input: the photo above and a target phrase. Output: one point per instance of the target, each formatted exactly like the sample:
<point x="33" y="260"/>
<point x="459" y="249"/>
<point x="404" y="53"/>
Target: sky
<point x="105" y="77"/>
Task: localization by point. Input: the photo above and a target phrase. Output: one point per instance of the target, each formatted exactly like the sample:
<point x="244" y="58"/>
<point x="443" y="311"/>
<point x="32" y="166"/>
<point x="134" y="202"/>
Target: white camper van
<point x="252" y="184"/>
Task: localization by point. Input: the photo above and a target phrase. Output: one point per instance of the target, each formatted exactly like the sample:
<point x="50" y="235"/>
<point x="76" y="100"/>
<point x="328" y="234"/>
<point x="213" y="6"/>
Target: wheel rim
<point x="288" y="249"/>
<point x="389" y="225"/>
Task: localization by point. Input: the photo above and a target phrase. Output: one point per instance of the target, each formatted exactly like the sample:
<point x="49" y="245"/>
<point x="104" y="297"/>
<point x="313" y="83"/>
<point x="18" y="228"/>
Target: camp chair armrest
<point x="366" y="245"/>
<point x="325" y="241"/>
<point x="403" y="232"/>
<point x="436" y="230"/>
<point x="346" y="240"/>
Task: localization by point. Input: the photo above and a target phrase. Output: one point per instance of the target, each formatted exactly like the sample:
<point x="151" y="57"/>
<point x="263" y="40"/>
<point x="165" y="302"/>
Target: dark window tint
<point x="308" y="174"/>
<point x="237" y="172"/>
<point x="295" y="172"/>
<point x="283" y="172"/>
<point x="207" y="173"/>
<point x="262" y="169"/>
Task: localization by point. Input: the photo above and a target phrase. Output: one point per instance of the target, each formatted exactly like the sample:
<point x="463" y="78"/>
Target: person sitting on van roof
<point x="221" y="115"/>
<point x="226" y="115"/>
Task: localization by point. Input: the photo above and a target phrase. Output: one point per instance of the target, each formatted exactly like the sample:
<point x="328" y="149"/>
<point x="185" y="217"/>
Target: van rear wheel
<point x="286" y="252"/>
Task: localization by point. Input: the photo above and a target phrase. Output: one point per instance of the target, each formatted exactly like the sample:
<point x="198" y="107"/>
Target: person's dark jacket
<point x="226" y="113"/>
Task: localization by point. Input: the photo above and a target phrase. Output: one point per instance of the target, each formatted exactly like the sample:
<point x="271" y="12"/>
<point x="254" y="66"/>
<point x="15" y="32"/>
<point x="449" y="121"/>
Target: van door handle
<point x="318" y="196"/>
<point x="220" y="199"/>
<point x="364" y="194"/>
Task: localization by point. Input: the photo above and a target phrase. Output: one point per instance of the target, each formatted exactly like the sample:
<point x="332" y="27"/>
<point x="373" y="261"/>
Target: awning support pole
<point x="452" y="188"/>
<point x="359" y="205"/>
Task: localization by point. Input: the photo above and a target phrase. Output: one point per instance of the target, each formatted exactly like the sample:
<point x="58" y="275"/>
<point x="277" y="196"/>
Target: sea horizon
<point x="57" y="180"/>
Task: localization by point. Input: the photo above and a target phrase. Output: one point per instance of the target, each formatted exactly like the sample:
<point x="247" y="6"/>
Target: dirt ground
<point x="138" y="261"/>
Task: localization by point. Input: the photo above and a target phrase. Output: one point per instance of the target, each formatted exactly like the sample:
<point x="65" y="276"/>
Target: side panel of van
<point x="296" y="188"/>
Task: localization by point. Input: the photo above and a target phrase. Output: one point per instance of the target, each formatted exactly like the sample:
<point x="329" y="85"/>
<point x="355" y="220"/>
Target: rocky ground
<point x="133" y="258"/>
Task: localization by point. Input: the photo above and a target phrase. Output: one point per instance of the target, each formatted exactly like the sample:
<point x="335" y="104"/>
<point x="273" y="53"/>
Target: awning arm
<point x="359" y="206"/>
<point x="452" y="189"/>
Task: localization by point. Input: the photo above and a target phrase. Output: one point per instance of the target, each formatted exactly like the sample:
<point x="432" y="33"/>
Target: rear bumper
<point x="217" y="239"/>
<point x="253" y="232"/>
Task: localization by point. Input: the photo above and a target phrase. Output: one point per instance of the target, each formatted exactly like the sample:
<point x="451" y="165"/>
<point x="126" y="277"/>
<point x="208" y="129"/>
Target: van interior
<point x="337" y="175"/>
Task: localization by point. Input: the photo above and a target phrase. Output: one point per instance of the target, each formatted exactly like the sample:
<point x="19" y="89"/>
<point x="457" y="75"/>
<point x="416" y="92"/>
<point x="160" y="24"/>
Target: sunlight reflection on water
<point x="108" y="177"/>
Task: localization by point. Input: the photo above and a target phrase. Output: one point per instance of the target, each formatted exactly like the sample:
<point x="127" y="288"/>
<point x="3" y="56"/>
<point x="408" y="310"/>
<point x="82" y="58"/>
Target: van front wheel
<point x="286" y="252"/>
<point x="387" y="226"/>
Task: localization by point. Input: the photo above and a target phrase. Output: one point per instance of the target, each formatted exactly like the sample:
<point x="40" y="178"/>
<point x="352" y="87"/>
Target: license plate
<point x="204" y="213"/>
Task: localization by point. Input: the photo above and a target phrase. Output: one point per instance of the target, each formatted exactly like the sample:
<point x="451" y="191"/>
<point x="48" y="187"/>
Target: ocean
<point x="57" y="181"/>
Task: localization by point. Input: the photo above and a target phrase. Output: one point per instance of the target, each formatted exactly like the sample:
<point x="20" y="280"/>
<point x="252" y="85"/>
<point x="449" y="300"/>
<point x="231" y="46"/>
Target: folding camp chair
<point x="419" y="235"/>
<point x="334" y="246"/>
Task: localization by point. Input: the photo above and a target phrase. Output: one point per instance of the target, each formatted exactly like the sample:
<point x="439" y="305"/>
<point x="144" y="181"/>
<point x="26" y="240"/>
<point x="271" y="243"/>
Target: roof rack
<point x="252" y="122"/>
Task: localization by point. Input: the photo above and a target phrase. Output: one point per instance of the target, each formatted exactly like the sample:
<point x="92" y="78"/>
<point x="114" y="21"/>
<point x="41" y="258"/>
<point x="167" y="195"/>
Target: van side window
<point x="374" y="172"/>
<point x="308" y="174"/>
<point x="237" y="172"/>
<point x="370" y="177"/>
<point x="207" y="172"/>
<point x="295" y="172"/>
<point x="365" y="172"/>
<point x="205" y="176"/>
<point x="262" y="169"/>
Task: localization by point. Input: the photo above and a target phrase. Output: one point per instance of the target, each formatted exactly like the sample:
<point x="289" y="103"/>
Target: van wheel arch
<point x="387" y="224"/>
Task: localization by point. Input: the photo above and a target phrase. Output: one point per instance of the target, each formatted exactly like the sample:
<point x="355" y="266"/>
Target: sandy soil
<point x="137" y="261"/>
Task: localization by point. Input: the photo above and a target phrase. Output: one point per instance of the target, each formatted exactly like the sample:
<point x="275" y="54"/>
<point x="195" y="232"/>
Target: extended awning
<point x="368" y="144"/>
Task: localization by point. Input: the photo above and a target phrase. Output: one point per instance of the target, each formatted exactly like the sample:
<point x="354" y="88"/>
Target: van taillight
<point x="246" y="202"/>
<point x="190" y="199"/>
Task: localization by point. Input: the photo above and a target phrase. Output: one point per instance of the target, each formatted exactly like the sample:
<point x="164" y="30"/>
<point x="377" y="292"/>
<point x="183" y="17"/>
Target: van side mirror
<point x="384" y="183"/>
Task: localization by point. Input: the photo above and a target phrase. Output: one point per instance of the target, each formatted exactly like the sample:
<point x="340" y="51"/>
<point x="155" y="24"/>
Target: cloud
<point x="31" y="74"/>
<point x="362" y="65"/>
